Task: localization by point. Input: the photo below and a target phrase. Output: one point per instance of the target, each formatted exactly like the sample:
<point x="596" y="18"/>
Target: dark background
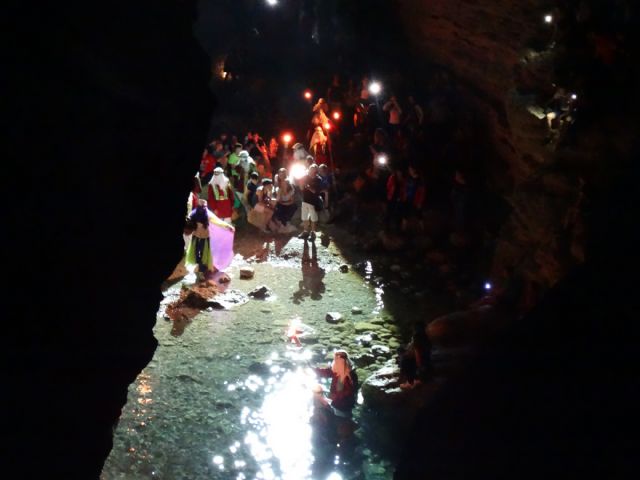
<point x="106" y="109"/>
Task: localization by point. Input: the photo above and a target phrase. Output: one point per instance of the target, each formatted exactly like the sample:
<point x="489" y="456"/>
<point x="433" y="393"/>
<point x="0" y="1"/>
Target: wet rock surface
<point x="247" y="273"/>
<point x="260" y="292"/>
<point x="333" y="317"/>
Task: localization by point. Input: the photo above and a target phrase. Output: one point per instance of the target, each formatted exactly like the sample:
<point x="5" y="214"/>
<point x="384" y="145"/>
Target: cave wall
<point x="107" y="109"/>
<point x="497" y="53"/>
<point x="553" y="396"/>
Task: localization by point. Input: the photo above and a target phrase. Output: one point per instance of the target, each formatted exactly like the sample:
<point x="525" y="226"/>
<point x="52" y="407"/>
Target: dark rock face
<point x="107" y="116"/>
<point x="552" y="397"/>
<point x="497" y="62"/>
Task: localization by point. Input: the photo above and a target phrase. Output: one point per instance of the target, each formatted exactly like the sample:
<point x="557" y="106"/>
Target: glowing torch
<point x="337" y="115"/>
<point x="307" y="94"/>
<point x="287" y="138"/>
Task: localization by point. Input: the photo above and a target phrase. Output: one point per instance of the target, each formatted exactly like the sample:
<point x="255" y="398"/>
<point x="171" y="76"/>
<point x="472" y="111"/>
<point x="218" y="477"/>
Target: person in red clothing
<point x="344" y="386"/>
<point x="220" y="195"/>
<point x="207" y="164"/>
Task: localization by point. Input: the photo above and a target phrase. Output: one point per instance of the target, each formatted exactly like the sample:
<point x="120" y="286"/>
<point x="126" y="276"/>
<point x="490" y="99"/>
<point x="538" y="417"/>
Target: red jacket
<point x="344" y="399"/>
<point x="220" y="204"/>
<point x="207" y="164"/>
<point x="396" y="189"/>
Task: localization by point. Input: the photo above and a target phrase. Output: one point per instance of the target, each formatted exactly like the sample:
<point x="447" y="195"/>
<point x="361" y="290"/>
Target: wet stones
<point x="247" y="273"/>
<point x="356" y="311"/>
<point x="364" y="360"/>
<point x="259" y="368"/>
<point x="381" y="350"/>
<point x="183" y="377"/>
<point x="260" y="293"/>
<point x="333" y="317"/>
<point x="365" y="340"/>
<point x="381" y="391"/>
<point x="361" y="327"/>
<point x="344" y="268"/>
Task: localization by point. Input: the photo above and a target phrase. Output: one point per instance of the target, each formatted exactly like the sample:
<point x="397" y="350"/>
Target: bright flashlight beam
<point x="574" y="96"/>
<point x="298" y="171"/>
<point x="382" y="159"/>
<point x="375" y="88"/>
<point x="307" y="94"/>
<point x="287" y="137"/>
<point x="548" y="18"/>
<point x="336" y="115"/>
<point x="327" y="126"/>
<point x="272" y="3"/>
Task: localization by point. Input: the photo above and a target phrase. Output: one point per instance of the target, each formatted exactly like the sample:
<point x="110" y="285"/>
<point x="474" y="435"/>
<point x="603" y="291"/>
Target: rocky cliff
<point x="107" y="109"/>
<point x="507" y="63"/>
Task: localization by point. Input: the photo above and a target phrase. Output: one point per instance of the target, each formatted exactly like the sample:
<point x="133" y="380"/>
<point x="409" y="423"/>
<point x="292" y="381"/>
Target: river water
<point x="228" y="395"/>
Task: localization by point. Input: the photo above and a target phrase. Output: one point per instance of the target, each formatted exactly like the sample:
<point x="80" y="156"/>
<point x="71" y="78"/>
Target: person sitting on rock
<point x="344" y="386"/>
<point x="415" y="359"/>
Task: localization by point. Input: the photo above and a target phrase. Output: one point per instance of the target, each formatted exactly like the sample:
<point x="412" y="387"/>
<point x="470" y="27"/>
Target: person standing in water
<point x="344" y="385"/>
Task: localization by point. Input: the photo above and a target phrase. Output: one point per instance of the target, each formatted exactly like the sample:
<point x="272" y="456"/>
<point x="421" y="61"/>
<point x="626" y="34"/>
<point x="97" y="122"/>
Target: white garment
<point x="309" y="212"/>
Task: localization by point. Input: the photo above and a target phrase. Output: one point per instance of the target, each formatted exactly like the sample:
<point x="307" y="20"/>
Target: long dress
<point x="201" y="249"/>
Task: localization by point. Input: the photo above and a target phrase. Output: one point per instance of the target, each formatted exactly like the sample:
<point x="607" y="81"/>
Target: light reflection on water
<point x="231" y="400"/>
<point x="279" y="432"/>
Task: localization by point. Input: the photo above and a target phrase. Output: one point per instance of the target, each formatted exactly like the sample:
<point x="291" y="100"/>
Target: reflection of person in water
<point x="311" y="284"/>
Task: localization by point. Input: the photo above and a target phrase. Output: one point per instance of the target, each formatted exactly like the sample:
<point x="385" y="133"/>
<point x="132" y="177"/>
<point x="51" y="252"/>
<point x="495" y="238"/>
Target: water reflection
<point x="280" y="435"/>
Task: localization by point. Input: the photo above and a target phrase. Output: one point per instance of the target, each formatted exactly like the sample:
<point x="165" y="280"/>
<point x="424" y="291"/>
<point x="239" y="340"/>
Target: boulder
<point x="333" y="317"/>
<point x="382" y="392"/>
<point x="363" y="360"/>
<point x="380" y="350"/>
<point x="260" y="292"/>
<point x="466" y="328"/>
<point x="344" y="268"/>
<point x="247" y="273"/>
<point x="356" y="310"/>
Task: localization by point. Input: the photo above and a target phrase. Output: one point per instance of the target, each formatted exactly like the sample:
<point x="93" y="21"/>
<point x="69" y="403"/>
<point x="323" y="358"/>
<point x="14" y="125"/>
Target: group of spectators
<point x="402" y="155"/>
<point x="264" y="184"/>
